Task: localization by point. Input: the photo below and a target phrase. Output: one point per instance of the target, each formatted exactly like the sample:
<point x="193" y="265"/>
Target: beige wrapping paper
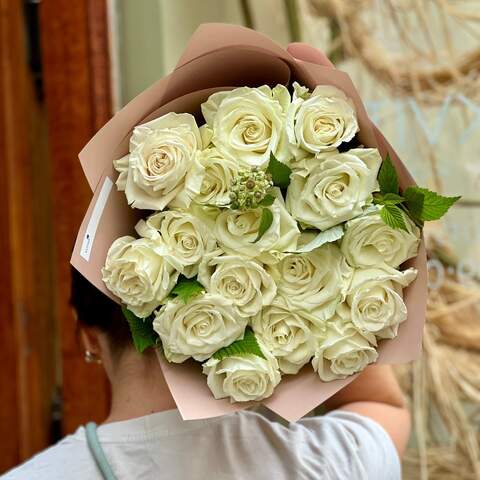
<point x="221" y="57"/>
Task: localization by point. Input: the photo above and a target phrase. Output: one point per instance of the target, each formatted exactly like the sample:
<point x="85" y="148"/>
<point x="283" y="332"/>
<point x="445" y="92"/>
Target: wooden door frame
<point x="76" y="66"/>
<point x="27" y="324"/>
<point x="9" y="334"/>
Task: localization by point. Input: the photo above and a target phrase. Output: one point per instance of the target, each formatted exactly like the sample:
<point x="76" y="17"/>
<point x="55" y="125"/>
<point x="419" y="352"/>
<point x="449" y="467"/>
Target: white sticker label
<point x="92" y="226"/>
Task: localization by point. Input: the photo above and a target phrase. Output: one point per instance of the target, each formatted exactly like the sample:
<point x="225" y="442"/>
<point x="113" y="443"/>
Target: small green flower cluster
<point x="249" y="188"/>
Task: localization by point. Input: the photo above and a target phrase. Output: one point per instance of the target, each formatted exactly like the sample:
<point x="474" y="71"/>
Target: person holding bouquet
<point x="362" y="434"/>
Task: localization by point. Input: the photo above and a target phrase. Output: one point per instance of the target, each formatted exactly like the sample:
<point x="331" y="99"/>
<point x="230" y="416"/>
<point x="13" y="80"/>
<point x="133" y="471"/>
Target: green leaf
<point x="143" y="334"/>
<point x="392" y="198"/>
<point x="387" y="177"/>
<point x="267" y="200"/>
<point x="279" y="171"/>
<point x="248" y="345"/>
<point x="414" y="202"/>
<point x="426" y="205"/>
<point x="393" y="217"/>
<point x="187" y="288"/>
<point x="265" y="222"/>
<point x="388" y="198"/>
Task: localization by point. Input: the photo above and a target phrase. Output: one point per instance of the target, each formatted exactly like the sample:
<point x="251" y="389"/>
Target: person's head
<point x="104" y="331"/>
<point x="138" y="385"/>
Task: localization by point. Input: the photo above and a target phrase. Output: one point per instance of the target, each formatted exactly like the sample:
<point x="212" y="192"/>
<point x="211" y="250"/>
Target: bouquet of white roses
<point x="264" y="233"/>
<point x="276" y="238"/>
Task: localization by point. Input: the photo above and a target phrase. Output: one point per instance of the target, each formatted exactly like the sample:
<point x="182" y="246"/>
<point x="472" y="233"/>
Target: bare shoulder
<point x="69" y="458"/>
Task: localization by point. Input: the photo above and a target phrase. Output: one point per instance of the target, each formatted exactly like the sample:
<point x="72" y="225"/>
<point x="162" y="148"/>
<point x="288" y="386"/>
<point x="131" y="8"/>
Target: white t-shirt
<point x="242" y="445"/>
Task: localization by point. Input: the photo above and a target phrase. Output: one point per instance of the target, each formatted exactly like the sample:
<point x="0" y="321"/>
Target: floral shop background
<point x="66" y="67"/>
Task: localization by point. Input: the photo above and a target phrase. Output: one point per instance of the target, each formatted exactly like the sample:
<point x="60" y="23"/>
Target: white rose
<point x="369" y="241"/>
<point x="375" y="299"/>
<point x="315" y="281"/>
<point x="343" y="320"/>
<point x="243" y="378"/>
<point x="205" y="213"/>
<point x="342" y="352"/>
<point x="137" y="273"/>
<point x="334" y="187"/>
<point x="236" y="231"/>
<point x="287" y="332"/>
<point x="244" y="282"/>
<point x="162" y="167"/>
<point x="320" y="121"/>
<point x="183" y="239"/>
<point x="198" y="328"/>
<point x="249" y="123"/>
<point x="217" y="179"/>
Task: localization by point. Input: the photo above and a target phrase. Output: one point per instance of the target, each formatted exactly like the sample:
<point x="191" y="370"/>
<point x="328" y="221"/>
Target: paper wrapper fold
<point x="221" y="57"/>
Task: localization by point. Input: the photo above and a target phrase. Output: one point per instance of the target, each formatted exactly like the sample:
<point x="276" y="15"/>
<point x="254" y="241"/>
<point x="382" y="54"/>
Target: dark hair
<point x="94" y="309"/>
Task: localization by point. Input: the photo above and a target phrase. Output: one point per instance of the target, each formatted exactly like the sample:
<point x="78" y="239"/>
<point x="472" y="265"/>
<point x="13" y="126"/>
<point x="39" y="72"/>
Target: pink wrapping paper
<point x="221" y="57"/>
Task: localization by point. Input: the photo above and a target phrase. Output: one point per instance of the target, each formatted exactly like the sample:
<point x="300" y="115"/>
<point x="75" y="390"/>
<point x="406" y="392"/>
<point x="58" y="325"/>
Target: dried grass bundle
<point x="444" y="387"/>
<point x="420" y="70"/>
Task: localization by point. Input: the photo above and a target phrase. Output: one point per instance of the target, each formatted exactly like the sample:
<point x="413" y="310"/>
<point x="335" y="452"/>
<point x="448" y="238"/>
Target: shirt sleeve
<point x="68" y="459"/>
<point x="353" y="447"/>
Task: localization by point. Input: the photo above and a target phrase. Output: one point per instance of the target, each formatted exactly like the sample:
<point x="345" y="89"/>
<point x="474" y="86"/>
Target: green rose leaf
<point x="265" y="223"/>
<point x="143" y="334"/>
<point x="425" y="205"/>
<point x="186" y="288"/>
<point x="387" y="177"/>
<point x="388" y="198"/>
<point x="414" y="203"/>
<point x="279" y="171"/>
<point x="267" y="200"/>
<point x="393" y="217"/>
<point x="393" y="198"/>
<point x="248" y="345"/>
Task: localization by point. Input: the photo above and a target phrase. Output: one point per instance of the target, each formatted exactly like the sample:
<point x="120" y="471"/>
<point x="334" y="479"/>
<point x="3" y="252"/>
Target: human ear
<point x="92" y="344"/>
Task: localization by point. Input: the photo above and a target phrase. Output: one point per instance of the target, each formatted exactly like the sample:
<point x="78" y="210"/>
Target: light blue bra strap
<point x="97" y="452"/>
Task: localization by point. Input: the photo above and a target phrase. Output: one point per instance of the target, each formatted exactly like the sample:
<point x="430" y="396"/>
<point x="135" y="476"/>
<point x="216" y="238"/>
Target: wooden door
<point x="47" y="114"/>
<point x="74" y="38"/>
<point x="28" y="361"/>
